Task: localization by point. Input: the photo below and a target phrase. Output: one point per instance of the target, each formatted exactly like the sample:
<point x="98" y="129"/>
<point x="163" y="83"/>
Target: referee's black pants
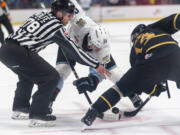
<point x="31" y="69"/>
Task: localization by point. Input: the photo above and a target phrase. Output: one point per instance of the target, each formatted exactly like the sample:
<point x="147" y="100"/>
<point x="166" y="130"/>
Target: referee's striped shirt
<point x="43" y="29"/>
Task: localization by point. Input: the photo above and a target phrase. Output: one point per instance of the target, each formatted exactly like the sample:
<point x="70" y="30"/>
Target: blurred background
<point x="102" y="10"/>
<point x="22" y="4"/>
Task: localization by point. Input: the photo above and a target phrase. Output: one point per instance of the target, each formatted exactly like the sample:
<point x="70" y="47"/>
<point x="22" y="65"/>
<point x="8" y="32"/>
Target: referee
<point x="20" y="54"/>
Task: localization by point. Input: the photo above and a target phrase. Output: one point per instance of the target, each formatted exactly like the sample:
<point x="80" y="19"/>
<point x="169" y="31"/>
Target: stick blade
<point x="130" y="114"/>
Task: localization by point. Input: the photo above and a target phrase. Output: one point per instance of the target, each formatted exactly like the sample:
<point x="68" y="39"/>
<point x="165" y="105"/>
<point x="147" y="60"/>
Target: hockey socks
<point x="107" y="100"/>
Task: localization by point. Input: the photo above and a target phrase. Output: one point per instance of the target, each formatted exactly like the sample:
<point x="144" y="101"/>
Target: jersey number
<point x="33" y="26"/>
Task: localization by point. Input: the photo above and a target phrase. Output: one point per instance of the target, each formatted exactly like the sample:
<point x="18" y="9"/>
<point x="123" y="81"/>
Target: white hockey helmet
<point x="98" y="37"/>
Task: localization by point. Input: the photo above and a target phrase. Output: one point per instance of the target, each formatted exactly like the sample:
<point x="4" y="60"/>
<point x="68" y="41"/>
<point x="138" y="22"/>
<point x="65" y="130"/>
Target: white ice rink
<point x="161" y="116"/>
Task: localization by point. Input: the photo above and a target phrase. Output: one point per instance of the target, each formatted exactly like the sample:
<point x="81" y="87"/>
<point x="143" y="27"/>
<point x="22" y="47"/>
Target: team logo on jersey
<point x="138" y="50"/>
<point x="81" y="22"/>
<point x="106" y="59"/>
<point x="146" y="37"/>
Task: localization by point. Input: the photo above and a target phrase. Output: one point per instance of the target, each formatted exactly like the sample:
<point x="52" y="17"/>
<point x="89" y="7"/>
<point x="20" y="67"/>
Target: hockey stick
<point x="126" y="113"/>
<point x="77" y="77"/>
<point x="72" y="67"/>
<point x="104" y="116"/>
<point x="167" y="87"/>
<point x="42" y="5"/>
<point x="133" y="113"/>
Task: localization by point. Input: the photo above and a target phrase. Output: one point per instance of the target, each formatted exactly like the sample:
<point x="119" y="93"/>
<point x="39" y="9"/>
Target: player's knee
<point x="64" y="70"/>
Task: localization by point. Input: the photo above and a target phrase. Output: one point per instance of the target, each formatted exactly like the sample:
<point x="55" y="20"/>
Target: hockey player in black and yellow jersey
<point x="154" y="58"/>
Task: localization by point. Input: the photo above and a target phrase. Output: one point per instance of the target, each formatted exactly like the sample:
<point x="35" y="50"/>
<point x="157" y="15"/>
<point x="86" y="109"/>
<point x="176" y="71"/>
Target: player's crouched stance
<point x="155" y="57"/>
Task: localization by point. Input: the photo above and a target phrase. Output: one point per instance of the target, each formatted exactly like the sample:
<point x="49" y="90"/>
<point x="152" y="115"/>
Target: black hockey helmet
<point x="137" y="30"/>
<point x="64" y="5"/>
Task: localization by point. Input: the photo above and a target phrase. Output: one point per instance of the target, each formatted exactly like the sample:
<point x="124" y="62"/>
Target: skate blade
<point x="84" y="128"/>
<point x="41" y="123"/>
<point x="20" y="116"/>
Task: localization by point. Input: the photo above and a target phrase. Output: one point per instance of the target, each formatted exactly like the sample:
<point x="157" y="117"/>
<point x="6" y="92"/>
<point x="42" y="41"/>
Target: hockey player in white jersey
<point x="95" y="41"/>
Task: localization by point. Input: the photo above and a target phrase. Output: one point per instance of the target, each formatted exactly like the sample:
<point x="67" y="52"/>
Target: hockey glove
<point x="86" y="84"/>
<point x="158" y="89"/>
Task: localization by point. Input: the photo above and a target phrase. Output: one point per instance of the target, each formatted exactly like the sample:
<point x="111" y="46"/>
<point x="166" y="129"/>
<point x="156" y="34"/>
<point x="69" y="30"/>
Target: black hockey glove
<point x="160" y="88"/>
<point x="86" y="84"/>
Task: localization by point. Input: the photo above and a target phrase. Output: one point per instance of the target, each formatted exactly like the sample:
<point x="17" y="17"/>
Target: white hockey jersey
<point x="79" y="27"/>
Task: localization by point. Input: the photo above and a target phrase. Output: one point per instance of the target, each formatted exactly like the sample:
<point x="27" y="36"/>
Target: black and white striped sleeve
<point x="73" y="51"/>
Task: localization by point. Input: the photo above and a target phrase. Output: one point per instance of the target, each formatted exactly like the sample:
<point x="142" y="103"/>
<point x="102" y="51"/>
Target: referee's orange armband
<point x="3" y="4"/>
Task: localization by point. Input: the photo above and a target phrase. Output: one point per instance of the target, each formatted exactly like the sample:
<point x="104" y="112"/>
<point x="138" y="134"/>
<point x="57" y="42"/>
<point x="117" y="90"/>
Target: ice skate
<point x="20" y="114"/>
<point x="42" y="121"/>
<point x="90" y="116"/>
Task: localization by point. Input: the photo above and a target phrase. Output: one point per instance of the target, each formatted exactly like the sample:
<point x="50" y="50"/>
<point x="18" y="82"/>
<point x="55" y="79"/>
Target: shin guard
<point x="107" y="100"/>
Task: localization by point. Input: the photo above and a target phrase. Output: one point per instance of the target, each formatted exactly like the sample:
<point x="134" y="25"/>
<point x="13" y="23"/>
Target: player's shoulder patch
<point x="106" y="59"/>
<point x="81" y="22"/>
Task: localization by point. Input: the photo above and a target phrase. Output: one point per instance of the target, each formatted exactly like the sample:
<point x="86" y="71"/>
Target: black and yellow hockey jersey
<point x="154" y="37"/>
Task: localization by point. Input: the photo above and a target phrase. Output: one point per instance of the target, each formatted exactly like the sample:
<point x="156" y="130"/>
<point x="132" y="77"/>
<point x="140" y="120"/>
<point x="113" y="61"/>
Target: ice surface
<point x="160" y="116"/>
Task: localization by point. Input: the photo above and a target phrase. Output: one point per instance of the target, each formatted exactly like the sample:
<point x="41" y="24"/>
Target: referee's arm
<point x="73" y="50"/>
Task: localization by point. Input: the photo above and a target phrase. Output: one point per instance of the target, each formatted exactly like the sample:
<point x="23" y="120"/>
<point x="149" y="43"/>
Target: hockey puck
<point x="115" y="110"/>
